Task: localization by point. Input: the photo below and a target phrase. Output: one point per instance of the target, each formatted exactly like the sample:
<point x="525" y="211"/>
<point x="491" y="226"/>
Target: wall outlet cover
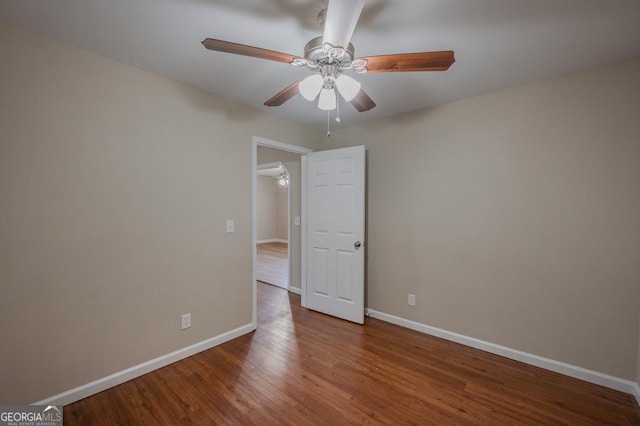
<point x="412" y="300"/>
<point x="185" y="321"/>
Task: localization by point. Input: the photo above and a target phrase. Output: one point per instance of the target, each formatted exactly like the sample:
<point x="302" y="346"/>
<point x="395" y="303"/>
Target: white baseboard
<point x="636" y="392"/>
<point x="114" y="379"/>
<point x="591" y="376"/>
<point x="296" y="290"/>
<point x="272" y="240"/>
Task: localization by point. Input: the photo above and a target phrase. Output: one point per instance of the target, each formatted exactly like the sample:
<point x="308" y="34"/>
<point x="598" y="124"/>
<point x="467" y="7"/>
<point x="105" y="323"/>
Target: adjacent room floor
<point x="272" y="264"/>
<point x="301" y="367"/>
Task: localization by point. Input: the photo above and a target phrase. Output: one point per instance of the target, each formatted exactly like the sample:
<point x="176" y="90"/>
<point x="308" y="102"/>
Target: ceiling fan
<point x="332" y="54"/>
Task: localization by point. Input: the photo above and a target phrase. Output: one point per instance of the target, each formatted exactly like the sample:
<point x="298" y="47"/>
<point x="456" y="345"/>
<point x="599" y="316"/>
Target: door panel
<point x="320" y="278"/>
<point x="335" y="199"/>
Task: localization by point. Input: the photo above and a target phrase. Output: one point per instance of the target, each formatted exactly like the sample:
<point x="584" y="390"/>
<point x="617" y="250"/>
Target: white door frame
<point x="258" y="141"/>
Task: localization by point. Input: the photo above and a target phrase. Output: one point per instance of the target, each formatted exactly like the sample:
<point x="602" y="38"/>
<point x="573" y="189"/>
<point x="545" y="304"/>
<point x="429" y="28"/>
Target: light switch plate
<point x="296" y="220"/>
<point x="230" y="226"/>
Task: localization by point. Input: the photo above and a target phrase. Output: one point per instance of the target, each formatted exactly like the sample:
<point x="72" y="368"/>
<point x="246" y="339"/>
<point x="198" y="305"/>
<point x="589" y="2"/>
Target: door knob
<point x="357" y="244"/>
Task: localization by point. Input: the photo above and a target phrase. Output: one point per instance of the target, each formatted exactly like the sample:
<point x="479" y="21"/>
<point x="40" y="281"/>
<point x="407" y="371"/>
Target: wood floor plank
<point x="303" y="368"/>
<point x="272" y="264"/>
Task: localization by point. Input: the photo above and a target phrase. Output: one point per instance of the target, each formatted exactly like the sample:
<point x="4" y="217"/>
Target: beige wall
<point x="272" y="209"/>
<point x="115" y="189"/>
<point x="514" y="217"/>
<point x="267" y="155"/>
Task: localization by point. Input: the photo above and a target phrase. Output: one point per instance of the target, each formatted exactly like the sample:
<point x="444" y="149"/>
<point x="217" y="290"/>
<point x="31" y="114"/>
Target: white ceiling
<point x="497" y="43"/>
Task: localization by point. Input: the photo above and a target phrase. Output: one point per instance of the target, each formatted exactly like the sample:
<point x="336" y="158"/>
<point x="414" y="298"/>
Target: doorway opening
<point x="273" y="216"/>
<point x="277" y="167"/>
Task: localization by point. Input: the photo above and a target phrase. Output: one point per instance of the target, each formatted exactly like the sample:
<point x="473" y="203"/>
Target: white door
<point x="335" y="233"/>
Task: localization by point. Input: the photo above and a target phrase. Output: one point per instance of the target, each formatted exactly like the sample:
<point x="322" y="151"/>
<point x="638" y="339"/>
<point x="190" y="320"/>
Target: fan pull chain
<point x="328" y="124"/>
<point x="338" y="110"/>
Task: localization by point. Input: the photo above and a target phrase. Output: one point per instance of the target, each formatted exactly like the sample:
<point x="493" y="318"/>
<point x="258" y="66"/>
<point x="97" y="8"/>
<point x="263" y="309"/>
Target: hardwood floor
<point x="303" y="368"/>
<point x="272" y="264"/>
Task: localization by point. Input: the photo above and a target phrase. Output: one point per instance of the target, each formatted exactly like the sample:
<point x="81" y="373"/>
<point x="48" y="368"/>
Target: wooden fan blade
<point x="362" y="102"/>
<point x="425" y="61"/>
<point x="242" y="49"/>
<point x="284" y="95"/>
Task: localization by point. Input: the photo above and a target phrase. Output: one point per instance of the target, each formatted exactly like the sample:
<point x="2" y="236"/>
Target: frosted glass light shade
<point x="327" y="100"/>
<point x="310" y="86"/>
<point x="348" y="87"/>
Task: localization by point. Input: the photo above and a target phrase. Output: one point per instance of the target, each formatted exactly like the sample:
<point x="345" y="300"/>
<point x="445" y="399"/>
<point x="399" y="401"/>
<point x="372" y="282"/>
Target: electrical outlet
<point x="185" y="321"/>
<point x="411" y="300"/>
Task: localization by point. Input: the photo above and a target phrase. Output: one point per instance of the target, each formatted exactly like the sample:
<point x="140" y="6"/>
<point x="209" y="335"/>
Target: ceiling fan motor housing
<point x="317" y="54"/>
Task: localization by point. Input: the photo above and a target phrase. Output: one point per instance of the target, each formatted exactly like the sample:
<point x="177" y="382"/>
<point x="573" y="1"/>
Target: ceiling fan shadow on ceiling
<point x="304" y="12"/>
<point x="329" y="56"/>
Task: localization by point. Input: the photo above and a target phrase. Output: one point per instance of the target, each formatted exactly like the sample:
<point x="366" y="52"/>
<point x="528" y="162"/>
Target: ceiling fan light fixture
<point x="283" y="179"/>
<point x="311" y="86"/>
<point x="348" y="87"/>
<point x="329" y="55"/>
<point x="327" y="101"/>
